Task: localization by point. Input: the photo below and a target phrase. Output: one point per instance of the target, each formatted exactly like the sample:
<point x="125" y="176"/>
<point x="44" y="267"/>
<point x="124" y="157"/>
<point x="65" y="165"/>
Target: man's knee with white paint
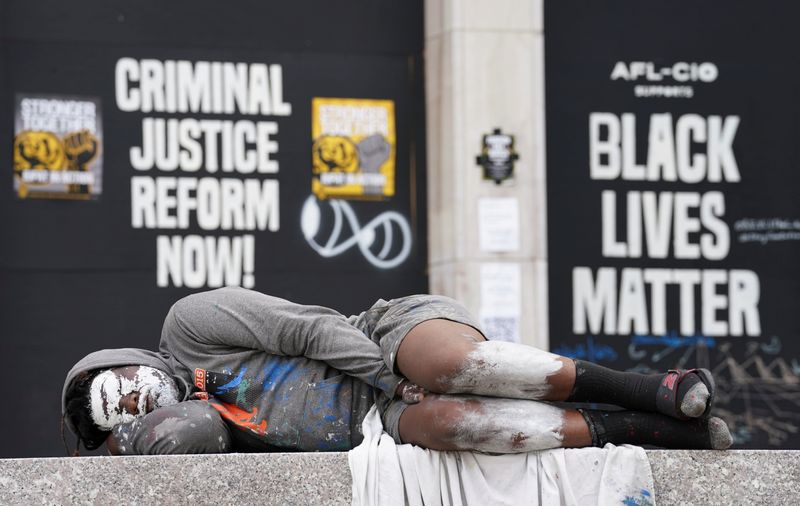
<point x="501" y="369"/>
<point x="509" y="425"/>
<point x="484" y="424"/>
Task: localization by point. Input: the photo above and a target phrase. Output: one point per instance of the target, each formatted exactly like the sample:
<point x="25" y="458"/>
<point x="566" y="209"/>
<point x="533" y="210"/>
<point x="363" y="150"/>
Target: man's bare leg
<point x="466" y="422"/>
<point x="448" y="357"/>
<point x="485" y="424"/>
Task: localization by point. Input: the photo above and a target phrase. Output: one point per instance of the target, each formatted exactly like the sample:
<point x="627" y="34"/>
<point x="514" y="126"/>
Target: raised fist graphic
<point x="34" y="150"/>
<point x="334" y="154"/>
<point x="81" y="148"/>
<point x="373" y="152"/>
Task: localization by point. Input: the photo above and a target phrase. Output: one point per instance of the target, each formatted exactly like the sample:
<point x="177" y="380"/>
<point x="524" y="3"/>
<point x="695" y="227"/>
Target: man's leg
<point x="443" y="356"/>
<point x="461" y="422"/>
<point x="466" y="422"/>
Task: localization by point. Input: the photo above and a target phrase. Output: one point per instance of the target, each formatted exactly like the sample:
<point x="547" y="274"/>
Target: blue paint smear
<point x="329" y="395"/>
<point x="673" y="340"/>
<point x="643" y="500"/>
<point x="277" y="372"/>
<point x="232" y="383"/>
<point x="589" y="351"/>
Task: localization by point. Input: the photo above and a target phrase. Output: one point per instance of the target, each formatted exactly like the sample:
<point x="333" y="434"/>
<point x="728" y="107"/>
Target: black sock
<point x="631" y="390"/>
<point x="637" y="428"/>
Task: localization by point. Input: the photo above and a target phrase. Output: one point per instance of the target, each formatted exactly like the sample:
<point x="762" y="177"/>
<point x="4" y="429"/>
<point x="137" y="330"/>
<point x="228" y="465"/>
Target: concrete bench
<point x="681" y="477"/>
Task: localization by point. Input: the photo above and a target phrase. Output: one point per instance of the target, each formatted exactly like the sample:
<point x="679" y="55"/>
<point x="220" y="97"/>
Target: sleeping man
<point x="238" y="370"/>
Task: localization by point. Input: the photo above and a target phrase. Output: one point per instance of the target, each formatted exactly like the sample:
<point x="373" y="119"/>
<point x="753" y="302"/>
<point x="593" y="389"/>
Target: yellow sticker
<point x="57" y="147"/>
<point x="353" y="148"/>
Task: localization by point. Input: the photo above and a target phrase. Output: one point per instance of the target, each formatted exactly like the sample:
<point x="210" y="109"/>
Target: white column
<point x="484" y="64"/>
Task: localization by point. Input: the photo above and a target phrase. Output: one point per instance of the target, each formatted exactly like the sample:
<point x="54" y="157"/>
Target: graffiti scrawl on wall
<point x="385" y="241"/>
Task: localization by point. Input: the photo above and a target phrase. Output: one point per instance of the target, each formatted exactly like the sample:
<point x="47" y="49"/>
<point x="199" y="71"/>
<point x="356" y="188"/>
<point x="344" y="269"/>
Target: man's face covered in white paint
<point x="122" y="394"/>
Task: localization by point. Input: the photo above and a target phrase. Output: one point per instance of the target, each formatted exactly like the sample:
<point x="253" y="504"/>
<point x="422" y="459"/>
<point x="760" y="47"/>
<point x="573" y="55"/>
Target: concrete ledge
<point x="726" y="477"/>
<point x="681" y="477"/>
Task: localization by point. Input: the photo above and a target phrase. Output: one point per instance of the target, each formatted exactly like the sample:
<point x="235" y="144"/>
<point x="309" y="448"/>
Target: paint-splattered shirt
<point x="282" y="376"/>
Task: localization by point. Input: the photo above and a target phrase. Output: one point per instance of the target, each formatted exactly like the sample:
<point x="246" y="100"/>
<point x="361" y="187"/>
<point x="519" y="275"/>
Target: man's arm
<point x="186" y="427"/>
<point x="246" y="319"/>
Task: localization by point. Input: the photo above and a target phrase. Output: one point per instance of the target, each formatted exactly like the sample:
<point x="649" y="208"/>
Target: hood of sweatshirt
<point x="106" y="359"/>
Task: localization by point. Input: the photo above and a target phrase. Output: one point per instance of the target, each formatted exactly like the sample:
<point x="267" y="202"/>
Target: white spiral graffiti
<point x="364" y="237"/>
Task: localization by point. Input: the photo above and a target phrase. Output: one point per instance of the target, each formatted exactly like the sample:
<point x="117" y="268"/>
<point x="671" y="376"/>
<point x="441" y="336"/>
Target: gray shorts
<point x="388" y="323"/>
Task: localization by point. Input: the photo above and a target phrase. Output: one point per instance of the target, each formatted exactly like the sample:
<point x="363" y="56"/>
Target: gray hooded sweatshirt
<point x="258" y="373"/>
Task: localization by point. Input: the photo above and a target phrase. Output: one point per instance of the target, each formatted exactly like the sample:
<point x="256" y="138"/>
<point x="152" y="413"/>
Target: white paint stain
<point x="170" y="428"/>
<point x="109" y="387"/>
<point x="502" y="369"/>
<point x="507" y="425"/>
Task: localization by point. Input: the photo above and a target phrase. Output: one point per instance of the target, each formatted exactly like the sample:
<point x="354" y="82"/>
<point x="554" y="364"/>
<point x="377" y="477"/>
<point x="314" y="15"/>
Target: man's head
<point x="97" y="400"/>
<point x="122" y="394"/>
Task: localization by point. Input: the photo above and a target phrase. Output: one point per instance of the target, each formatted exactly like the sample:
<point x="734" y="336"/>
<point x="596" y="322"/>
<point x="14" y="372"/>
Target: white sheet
<point x="388" y="474"/>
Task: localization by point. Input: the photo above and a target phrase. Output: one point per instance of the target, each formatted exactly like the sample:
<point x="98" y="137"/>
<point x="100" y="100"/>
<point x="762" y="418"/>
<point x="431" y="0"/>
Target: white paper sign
<point x="498" y="224"/>
<point x="501" y="301"/>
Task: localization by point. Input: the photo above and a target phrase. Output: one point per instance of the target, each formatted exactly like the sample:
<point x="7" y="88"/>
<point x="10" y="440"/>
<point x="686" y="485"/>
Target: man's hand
<point x="112" y="444"/>
<point x="409" y="392"/>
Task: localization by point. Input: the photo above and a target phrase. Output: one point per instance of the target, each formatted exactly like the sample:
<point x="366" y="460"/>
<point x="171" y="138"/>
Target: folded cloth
<point x="386" y="474"/>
